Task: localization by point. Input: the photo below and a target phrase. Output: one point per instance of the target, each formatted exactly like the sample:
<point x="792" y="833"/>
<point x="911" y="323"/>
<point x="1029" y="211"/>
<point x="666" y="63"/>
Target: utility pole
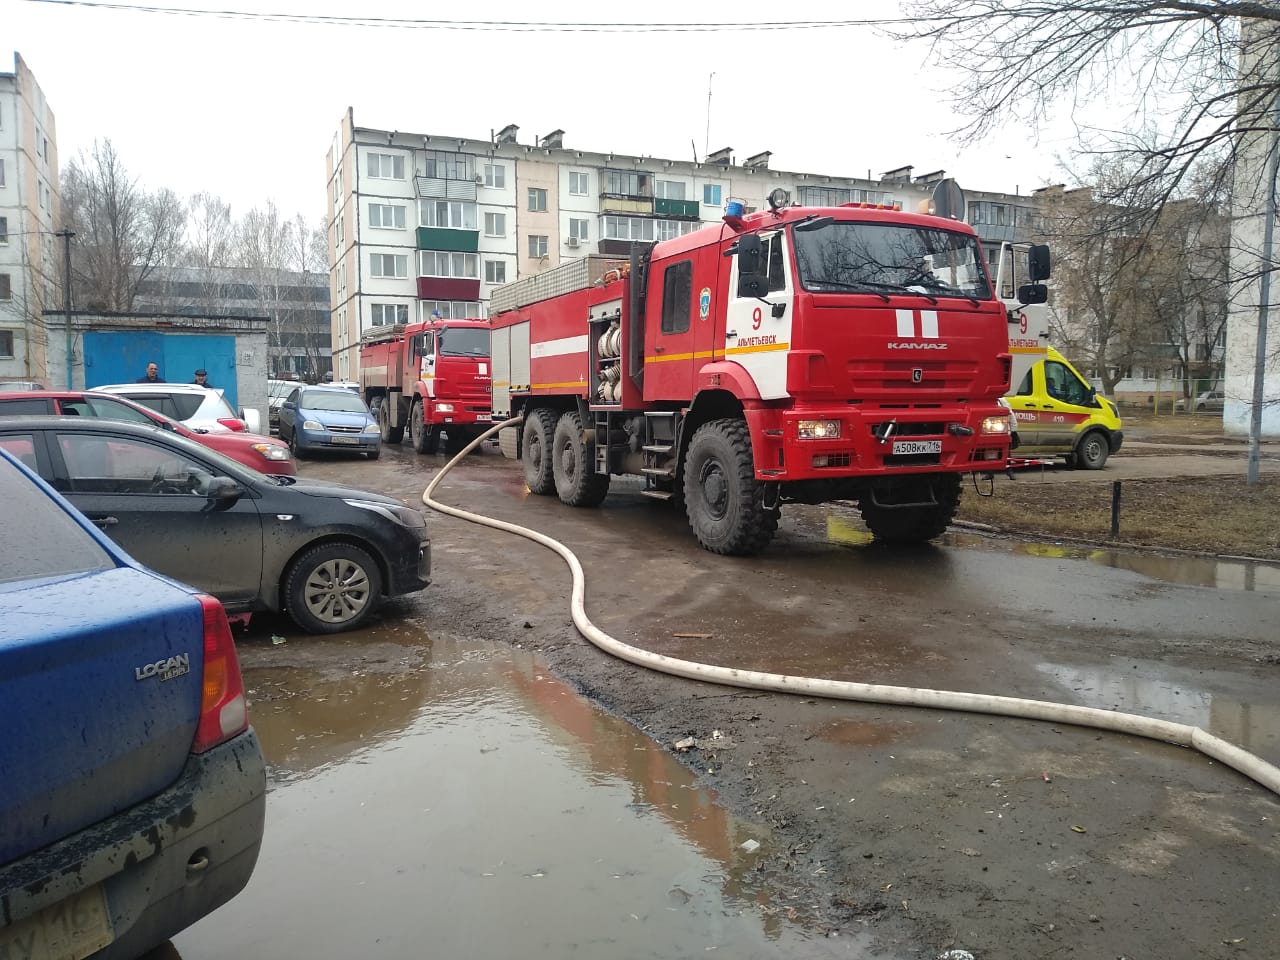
<point x="66" y="236"/>
<point x="1264" y="296"/>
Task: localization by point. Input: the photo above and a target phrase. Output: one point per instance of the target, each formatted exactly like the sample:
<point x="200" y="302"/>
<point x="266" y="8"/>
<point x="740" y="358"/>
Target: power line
<point x="491" y="26"/>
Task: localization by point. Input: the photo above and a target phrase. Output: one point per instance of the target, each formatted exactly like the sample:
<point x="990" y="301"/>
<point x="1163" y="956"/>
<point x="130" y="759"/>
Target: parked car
<point x="256" y="452"/>
<point x="197" y="407"/>
<point x="20" y="385"/>
<point x="323" y="553"/>
<point x="132" y="788"/>
<point x="1208" y="401"/>
<point x="277" y="390"/>
<point x="328" y="418"/>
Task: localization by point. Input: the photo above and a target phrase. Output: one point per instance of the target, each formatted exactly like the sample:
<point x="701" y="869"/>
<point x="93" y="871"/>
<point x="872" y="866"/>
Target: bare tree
<point x="123" y="232"/>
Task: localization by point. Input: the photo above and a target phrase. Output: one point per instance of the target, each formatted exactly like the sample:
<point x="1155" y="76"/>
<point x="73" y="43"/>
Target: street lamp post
<point x="66" y="236"/>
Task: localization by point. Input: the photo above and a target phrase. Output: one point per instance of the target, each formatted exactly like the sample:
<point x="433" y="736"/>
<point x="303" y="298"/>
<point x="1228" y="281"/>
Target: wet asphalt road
<point x="437" y="788"/>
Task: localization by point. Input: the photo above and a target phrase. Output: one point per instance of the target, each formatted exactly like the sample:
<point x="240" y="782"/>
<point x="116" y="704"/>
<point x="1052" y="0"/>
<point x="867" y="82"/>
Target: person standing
<point x="153" y="374"/>
<point x="202" y="378"/>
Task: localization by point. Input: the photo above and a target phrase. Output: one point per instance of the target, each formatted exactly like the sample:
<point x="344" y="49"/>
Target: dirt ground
<point x="932" y="830"/>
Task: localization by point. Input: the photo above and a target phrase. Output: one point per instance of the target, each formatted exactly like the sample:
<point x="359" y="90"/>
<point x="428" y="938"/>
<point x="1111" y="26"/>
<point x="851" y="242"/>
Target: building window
<point x="645" y="230"/>
<point x="451" y="309"/>
<point x="579" y="229"/>
<point x="384" y="314"/>
<point x="4" y="229"/>
<point x="449" y="166"/>
<point x="537" y="198"/>
<point x="579" y="183"/>
<point x="388" y="265"/>
<point x="443" y="263"/>
<point x="669" y="189"/>
<point x="670" y="229"/>
<point x="447" y="214"/>
<point x="495" y="175"/>
<point x="6" y="292"/>
<point x="386" y="166"/>
<point x="711" y="194"/>
<point x="337" y="185"/>
<point x="6" y="344"/>
<point x="495" y="271"/>
<point x="834" y="196"/>
<point x="495" y="224"/>
<point x="537" y="245"/>
<point x="677" y="297"/>
<point x="627" y="183"/>
<point x="386" y="216"/>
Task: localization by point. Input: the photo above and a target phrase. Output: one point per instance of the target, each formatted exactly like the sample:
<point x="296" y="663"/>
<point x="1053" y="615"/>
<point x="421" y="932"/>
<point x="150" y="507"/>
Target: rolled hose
<point x="1181" y="734"/>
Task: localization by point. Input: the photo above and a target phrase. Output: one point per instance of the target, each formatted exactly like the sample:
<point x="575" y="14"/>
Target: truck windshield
<point x="464" y="342"/>
<point x="879" y="257"/>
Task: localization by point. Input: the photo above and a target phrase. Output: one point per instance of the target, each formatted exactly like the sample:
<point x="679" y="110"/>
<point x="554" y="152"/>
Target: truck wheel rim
<point x="336" y="591"/>
<point x="715" y="491"/>
<point x="568" y="461"/>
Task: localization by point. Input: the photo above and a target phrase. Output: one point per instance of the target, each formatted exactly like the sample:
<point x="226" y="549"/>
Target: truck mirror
<point x="750" y="254"/>
<point x="1038" y="265"/>
<point x="1031" y="293"/>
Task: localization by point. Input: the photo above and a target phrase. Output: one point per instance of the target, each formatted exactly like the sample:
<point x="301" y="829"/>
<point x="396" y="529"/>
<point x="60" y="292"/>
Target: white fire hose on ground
<point x="1180" y="734"/>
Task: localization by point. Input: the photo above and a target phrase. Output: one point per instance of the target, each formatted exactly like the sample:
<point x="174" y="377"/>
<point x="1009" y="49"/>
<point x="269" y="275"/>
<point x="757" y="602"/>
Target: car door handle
<point x="104" y="521"/>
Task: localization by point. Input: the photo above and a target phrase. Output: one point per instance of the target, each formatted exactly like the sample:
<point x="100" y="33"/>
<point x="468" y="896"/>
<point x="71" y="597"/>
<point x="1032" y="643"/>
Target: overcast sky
<point x="246" y="109"/>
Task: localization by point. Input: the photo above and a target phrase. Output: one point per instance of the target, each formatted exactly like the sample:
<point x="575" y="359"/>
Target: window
<point x="669" y="189"/>
<point x="711" y="194"/>
<point x="644" y="230"/>
<point x="669" y="229"/>
<point x="385" y="314"/>
<point x="337" y="185"/>
<point x="339" y="233"/>
<point x="537" y="198"/>
<point x="388" y="265"/>
<point x="386" y="166"/>
<point x="6" y="344"/>
<point x="450" y="309"/>
<point x="834" y="196"/>
<point x="627" y="183"/>
<point x="449" y="166"/>
<point x="443" y="263"/>
<point x="4" y="229"/>
<point x="579" y="183"/>
<point x="386" y="216"/>
<point x="579" y="229"/>
<point x="447" y="214"/>
<point x="123" y="465"/>
<point x="495" y="175"/>
<point x="495" y="271"/>
<point x="677" y="297"/>
<point x="537" y="245"/>
<point x="495" y="224"/>
<point x="6" y="292"/>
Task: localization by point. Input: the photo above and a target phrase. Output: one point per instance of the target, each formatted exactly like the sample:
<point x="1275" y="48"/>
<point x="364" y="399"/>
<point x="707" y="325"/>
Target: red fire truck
<point x="792" y="355"/>
<point x="430" y="377"/>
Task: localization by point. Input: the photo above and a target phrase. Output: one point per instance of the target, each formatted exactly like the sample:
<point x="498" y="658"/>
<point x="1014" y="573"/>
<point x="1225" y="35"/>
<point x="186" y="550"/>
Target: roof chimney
<point x="760" y="161"/>
<point x="553" y="140"/>
<point x="900" y="175"/>
<point x="928" y="178"/>
<point x="723" y="156"/>
<point x="507" y="134"/>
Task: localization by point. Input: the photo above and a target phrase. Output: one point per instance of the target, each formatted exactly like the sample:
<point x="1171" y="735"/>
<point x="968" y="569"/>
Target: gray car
<point x="1207" y="402"/>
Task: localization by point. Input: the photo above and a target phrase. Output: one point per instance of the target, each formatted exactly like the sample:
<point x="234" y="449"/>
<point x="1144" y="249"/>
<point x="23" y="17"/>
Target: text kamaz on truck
<point x="794" y="355"/>
<point x="427" y="377"/>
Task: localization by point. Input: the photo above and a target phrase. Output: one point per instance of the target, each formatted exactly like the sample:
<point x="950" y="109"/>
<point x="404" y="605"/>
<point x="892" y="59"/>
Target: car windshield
<point x="884" y="258"/>
<point x="340" y="401"/>
<point x="464" y="342"/>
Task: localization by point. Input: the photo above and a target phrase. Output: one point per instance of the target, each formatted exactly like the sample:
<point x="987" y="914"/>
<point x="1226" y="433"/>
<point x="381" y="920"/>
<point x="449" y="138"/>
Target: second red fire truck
<point x="792" y="355"/>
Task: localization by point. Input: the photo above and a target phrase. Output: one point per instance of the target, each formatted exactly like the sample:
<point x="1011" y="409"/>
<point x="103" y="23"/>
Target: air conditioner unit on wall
<point x="480" y="179"/>
<point x="572" y="241"/>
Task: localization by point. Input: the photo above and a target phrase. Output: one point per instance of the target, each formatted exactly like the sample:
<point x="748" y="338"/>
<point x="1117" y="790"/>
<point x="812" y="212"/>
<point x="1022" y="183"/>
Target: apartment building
<point x="30" y="267"/>
<point x="421" y="223"/>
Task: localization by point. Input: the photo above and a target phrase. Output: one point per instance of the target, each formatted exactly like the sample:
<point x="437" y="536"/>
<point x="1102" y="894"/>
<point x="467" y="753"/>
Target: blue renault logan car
<point x="314" y="419"/>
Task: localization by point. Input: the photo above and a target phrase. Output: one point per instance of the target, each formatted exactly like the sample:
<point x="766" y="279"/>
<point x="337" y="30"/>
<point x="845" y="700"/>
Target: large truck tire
<point x="573" y="465"/>
<point x="425" y="439"/>
<point x="918" y="524"/>
<point x="723" y="499"/>
<point x="389" y="433"/>
<point x="539" y="429"/>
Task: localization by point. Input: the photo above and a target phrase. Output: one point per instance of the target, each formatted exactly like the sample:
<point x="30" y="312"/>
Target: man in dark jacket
<point x="202" y="378"/>
<point x="153" y="375"/>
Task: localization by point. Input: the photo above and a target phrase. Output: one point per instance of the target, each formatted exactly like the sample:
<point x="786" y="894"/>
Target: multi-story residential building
<point x="423" y="222"/>
<point x="295" y="305"/>
<point x="29" y="209"/>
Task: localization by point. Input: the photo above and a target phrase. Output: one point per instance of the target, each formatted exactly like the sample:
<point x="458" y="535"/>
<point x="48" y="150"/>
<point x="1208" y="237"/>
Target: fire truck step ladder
<point x="659" y="467"/>
<point x="602" y="443"/>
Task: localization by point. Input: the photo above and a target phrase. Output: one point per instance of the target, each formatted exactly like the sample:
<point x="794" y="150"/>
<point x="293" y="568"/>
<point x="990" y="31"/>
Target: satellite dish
<point x="948" y="200"/>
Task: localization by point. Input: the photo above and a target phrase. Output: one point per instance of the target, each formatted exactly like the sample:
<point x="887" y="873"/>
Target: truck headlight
<point x="995" y="425"/>
<point x="444" y="407"/>
<point x="312" y="425"/>
<point x="272" y="451"/>
<point x="819" y="429"/>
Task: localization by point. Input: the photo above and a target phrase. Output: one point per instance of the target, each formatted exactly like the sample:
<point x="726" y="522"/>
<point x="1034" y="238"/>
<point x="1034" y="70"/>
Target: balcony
<point x="676" y="209"/>
<point x="448" y="288"/>
<point x="458" y="241"/>
<point x="618" y="203"/>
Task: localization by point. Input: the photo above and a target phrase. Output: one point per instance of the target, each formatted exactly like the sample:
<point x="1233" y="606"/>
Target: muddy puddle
<point x="450" y="798"/>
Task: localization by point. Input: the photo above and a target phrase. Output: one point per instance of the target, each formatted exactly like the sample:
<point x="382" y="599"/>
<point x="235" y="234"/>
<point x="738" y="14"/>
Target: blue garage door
<point x="123" y="358"/>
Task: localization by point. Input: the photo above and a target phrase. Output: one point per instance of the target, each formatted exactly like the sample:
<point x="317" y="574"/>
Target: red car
<point x="263" y="454"/>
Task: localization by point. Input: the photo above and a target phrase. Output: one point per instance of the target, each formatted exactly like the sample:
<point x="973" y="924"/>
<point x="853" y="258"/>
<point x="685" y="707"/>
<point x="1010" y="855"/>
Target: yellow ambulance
<point x="1060" y="415"/>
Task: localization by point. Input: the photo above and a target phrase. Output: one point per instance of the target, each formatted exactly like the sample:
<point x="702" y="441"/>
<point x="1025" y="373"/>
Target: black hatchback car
<point x="324" y="553"/>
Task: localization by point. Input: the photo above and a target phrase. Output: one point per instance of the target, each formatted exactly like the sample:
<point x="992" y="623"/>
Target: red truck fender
<point x="727" y="375"/>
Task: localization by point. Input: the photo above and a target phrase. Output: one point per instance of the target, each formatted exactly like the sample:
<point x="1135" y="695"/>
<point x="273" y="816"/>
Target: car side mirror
<point x="1038" y="262"/>
<point x="224" y="492"/>
<point x="1032" y="293"/>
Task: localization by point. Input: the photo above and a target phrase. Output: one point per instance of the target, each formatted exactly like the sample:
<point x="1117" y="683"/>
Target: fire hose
<point x="1180" y="734"/>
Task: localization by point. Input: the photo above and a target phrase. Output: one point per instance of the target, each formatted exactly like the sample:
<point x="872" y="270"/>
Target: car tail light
<point x="223" y="708"/>
<point x="232" y="423"/>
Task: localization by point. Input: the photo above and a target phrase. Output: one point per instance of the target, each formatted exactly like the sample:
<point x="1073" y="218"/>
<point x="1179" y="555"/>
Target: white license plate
<point x="911" y="447"/>
<point x="483" y="416"/>
<point x="70" y="930"/>
<point x="344" y="439"/>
